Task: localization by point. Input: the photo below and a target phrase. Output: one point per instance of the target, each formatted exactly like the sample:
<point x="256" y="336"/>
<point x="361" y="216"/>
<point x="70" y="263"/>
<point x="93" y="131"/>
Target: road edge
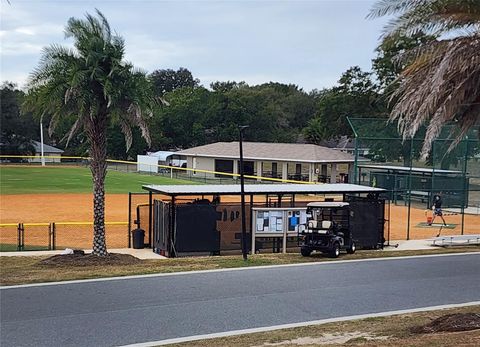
<point x="299" y="324"/>
<point x="246" y="268"/>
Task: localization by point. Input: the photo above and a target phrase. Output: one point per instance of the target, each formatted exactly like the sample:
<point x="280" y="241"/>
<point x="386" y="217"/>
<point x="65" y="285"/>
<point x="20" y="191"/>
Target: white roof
<point x="406" y="169"/>
<point x="234" y="189"/>
<point x="328" y="204"/>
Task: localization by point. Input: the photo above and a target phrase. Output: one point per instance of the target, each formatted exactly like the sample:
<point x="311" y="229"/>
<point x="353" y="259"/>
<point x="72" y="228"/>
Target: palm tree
<point x="92" y="85"/>
<point x="441" y="83"/>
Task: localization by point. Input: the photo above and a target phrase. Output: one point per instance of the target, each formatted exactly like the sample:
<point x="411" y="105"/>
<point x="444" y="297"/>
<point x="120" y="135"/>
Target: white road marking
<point x="299" y="324"/>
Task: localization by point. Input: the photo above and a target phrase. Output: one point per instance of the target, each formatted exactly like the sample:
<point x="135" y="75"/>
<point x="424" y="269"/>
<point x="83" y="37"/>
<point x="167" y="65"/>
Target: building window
<point x="222" y="165"/>
<point x="248" y="168"/>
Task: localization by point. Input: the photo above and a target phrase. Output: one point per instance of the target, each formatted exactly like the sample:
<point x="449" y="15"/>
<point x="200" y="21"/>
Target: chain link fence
<point x="60" y="235"/>
<point x="384" y="159"/>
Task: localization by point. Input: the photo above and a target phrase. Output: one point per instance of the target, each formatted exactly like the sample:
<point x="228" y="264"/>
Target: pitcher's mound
<point x="90" y="260"/>
<point x="450" y="323"/>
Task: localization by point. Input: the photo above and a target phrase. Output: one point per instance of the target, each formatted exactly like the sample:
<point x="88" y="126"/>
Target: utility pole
<point x="241" y="129"/>
<point x="41" y="141"/>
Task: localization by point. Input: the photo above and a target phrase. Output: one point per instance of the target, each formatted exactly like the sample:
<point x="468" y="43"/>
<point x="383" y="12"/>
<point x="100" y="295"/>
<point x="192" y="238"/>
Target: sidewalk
<point x="145" y="253"/>
<point x="410" y="245"/>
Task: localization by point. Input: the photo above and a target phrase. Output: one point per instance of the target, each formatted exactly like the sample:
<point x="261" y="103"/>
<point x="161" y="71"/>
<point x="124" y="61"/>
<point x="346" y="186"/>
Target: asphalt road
<point x="119" y="312"/>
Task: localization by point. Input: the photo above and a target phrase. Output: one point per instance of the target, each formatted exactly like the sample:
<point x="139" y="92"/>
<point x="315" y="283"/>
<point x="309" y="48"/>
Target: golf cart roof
<point x="327" y="204"/>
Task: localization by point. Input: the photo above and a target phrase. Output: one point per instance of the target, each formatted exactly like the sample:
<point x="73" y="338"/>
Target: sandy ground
<point x="47" y="208"/>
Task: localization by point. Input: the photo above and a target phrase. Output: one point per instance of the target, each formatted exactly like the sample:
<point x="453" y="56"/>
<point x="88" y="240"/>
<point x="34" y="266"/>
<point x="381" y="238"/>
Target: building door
<point x="298" y="172"/>
<point x="274" y="170"/>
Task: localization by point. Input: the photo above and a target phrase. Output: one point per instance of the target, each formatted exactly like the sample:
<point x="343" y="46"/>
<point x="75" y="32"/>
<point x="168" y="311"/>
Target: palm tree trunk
<point x="96" y="131"/>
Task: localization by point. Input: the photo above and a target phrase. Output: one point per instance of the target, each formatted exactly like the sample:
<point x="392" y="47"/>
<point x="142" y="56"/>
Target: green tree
<point x="356" y="95"/>
<point x="275" y="112"/>
<point x="17" y="129"/>
<point x="224" y="87"/>
<point x="93" y="84"/>
<point x="168" y="80"/>
<point x="182" y="123"/>
<point x="442" y="77"/>
<point x="386" y="65"/>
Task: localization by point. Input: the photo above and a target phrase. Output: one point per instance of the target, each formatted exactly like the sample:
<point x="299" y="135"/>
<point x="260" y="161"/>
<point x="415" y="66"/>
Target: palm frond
<point x="127" y="132"/>
<point x="389" y="7"/>
<point x="429" y="16"/>
<point x="437" y="89"/>
<point x="73" y="130"/>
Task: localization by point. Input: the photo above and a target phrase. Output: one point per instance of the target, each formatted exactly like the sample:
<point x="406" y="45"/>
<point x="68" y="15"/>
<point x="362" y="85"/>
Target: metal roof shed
<point x="277" y="190"/>
<point x="260" y="189"/>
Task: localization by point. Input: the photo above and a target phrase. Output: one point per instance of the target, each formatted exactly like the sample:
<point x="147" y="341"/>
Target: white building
<point x="151" y="161"/>
<point x="305" y="162"/>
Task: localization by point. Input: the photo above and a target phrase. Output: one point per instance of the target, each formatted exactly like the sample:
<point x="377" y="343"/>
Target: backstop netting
<point x="384" y="159"/>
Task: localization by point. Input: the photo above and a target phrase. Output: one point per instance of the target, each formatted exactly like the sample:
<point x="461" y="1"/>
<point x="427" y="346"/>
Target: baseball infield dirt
<point x="47" y="208"/>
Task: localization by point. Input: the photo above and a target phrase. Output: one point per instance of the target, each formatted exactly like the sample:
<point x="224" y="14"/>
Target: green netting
<point x="384" y="159"/>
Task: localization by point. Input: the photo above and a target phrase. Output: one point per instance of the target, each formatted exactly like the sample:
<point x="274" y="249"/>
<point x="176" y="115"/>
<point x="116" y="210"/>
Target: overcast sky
<point x="308" y="43"/>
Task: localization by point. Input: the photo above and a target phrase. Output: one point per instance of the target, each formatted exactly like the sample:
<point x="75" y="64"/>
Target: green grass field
<point x="38" y="180"/>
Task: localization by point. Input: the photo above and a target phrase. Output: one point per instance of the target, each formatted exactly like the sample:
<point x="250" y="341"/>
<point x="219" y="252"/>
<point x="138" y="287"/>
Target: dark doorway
<point x="223" y="166"/>
<point x="248" y="168"/>
<point x="274" y="170"/>
<point x="298" y="169"/>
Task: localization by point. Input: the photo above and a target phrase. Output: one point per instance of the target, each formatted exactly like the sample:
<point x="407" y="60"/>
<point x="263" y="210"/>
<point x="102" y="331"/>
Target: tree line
<point x="193" y="115"/>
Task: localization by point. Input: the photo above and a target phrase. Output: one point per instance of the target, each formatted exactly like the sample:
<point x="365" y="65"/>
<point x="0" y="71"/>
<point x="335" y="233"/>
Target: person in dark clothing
<point x="437" y="208"/>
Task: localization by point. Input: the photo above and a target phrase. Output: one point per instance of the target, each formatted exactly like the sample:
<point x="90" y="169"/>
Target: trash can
<point x="138" y="238"/>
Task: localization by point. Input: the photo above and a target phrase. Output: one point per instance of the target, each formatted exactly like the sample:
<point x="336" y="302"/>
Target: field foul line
<point x="249" y="268"/>
<point x="299" y="324"/>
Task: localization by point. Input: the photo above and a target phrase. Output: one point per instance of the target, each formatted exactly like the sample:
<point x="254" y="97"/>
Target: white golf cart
<point x="327" y="229"/>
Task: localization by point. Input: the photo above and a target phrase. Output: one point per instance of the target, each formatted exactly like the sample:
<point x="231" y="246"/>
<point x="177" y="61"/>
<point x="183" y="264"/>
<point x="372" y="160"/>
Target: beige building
<point x="288" y="161"/>
<point x="51" y="154"/>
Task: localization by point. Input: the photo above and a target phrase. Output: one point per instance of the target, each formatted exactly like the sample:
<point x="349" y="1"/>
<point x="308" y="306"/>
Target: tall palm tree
<point x="442" y="81"/>
<point x="93" y="86"/>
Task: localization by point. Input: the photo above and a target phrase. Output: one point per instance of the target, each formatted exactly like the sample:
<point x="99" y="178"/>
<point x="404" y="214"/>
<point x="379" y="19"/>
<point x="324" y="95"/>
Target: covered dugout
<point x="185" y="219"/>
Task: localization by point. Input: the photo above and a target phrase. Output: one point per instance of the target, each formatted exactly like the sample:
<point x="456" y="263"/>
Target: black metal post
<point x="242" y="195"/>
<point x="50" y="237"/>
<point x="19" y="237"/>
<point x="150" y="218"/>
<point x="173" y="224"/>
<point x="129" y="218"/>
<point x="54" y="236"/>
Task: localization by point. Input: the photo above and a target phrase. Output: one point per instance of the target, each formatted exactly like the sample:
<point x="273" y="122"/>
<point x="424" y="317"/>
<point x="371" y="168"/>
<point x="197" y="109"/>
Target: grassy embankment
<point x="397" y="330"/>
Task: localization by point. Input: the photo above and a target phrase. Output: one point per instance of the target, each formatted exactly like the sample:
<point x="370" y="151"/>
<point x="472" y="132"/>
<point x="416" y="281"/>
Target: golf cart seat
<point x="323" y="227"/>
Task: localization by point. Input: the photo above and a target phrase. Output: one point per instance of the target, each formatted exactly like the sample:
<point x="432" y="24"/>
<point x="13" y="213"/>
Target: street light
<point x="241" y="129"/>
<point x="41" y="141"/>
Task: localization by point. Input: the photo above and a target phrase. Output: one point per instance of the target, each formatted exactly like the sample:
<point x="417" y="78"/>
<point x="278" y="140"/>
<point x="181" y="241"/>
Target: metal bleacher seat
<point x="452" y="240"/>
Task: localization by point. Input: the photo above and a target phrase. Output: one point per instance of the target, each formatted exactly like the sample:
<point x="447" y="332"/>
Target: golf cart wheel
<point x="352" y="248"/>
<point x="335" y="251"/>
<point x="305" y="252"/>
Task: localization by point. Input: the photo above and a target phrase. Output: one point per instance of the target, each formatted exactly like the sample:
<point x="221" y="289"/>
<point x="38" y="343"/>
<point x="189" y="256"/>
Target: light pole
<point x="41" y="141"/>
<point x="241" y="129"/>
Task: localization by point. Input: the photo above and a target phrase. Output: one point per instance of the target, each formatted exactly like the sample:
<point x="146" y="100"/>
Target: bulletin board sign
<point x="278" y="222"/>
